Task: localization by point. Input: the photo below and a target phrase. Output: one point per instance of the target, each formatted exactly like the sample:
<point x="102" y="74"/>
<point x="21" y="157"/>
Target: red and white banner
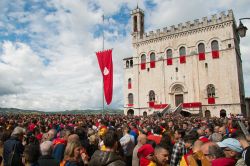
<point x="106" y="66"/>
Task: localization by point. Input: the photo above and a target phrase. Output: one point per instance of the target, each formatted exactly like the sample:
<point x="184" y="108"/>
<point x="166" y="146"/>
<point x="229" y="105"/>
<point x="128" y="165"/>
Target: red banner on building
<point x="169" y="61"/>
<point x="106" y="66"/>
<point x="202" y="56"/>
<point x="182" y="59"/>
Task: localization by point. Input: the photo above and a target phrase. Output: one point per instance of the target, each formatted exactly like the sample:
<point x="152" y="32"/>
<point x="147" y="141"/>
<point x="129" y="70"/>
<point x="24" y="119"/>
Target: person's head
<point x="205" y="150"/>
<point x="110" y="140"/>
<point x="46" y="148"/>
<point x="170" y="124"/>
<point x="73" y="138"/>
<point x="51" y="134"/>
<point x="222" y="130"/>
<point x="231" y="147"/>
<point x="185" y="126"/>
<point x="208" y="132"/>
<point x="72" y="150"/>
<point x="189" y="141"/>
<point x="201" y="132"/>
<point x="146" y="151"/>
<point x="179" y="134"/>
<point x="197" y="146"/>
<point x="65" y="134"/>
<point x="126" y="129"/>
<point x="142" y="139"/>
<point x="31" y="153"/>
<point x="216" y="137"/>
<point x="18" y="132"/>
<point x="216" y="129"/>
<point x="161" y="155"/>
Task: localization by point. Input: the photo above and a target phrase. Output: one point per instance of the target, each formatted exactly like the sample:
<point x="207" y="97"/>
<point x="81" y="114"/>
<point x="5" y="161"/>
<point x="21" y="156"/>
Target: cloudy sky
<point x="47" y="47"/>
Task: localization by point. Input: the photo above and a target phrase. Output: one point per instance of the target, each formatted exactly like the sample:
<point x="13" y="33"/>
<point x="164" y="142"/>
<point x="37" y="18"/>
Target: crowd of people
<point x="119" y="140"/>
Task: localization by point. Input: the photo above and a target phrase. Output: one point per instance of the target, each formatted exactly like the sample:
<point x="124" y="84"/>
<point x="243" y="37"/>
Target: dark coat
<point x="47" y="160"/>
<point x="9" y="146"/>
<point x="58" y="152"/>
<point x="102" y="158"/>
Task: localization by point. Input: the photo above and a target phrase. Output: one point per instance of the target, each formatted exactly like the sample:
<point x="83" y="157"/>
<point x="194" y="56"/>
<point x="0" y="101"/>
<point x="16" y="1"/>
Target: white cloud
<point x="56" y="69"/>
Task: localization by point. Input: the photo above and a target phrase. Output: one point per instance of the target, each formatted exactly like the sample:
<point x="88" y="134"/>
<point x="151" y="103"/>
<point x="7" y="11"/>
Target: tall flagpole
<point x="103" y="77"/>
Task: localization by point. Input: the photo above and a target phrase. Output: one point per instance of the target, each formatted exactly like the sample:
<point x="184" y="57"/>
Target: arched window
<point x="151" y="95"/>
<point x="131" y="63"/>
<point x="129" y="83"/>
<point x="215" y="45"/>
<point x="152" y="60"/>
<point x="130" y="98"/>
<point x="182" y="51"/>
<point x="152" y="57"/>
<point x="135" y="23"/>
<point x="143" y="62"/>
<point x="215" y="49"/>
<point x="210" y="91"/>
<point x="207" y="113"/>
<point x="169" y="57"/>
<point x="201" y="48"/>
<point x="143" y="58"/>
<point x="127" y="64"/>
<point x="169" y="53"/>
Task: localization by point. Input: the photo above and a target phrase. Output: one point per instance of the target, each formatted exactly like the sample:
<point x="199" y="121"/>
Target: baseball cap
<point x="231" y="143"/>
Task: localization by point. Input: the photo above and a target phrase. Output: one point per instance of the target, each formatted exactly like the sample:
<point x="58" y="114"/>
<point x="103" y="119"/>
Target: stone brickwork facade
<point x="196" y="66"/>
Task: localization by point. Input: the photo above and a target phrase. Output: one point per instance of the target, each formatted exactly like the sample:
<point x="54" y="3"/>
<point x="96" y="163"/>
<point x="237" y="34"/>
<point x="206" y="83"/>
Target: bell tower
<point x="137" y="16"/>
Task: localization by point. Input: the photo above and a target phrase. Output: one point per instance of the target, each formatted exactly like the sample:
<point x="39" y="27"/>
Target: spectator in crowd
<point x="14" y="144"/>
<point x="208" y="132"/>
<point x="179" y="148"/>
<point x="216" y="137"/>
<point x="59" y="145"/>
<point x="109" y="156"/>
<point x="142" y="138"/>
<point x="73" y="155"/>
<point x="146" y="155"/>
<point x="161" y="155"/>
<point x="51" y="134"/>
<point x="46" y="158"/>
<point x="222" y="131"/>
<point x="231" y="148"/>
<point x="31" y="154"/>
<point x="166" y="141"/>
<point x="127" y="145"/>
<point x="246" y="147"/>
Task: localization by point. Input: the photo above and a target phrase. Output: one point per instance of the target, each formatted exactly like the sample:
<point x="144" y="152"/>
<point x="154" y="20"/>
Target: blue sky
<point x="47" y="48"/>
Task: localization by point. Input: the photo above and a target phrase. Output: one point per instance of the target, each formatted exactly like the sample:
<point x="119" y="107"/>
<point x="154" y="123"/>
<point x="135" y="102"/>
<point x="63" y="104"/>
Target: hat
<point x="231" y="143"/>
<point x="145" y="150"/>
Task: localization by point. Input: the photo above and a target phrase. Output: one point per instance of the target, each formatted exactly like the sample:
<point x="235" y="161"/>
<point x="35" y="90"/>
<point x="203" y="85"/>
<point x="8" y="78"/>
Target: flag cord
<point x="103" y="77"/>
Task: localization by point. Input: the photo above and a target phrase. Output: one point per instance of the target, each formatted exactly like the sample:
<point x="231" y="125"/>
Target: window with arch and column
<point x="130" y="99"/>
<point x="129" y="83"/>
<point x="143" y="62"/>
<point x="211" y="93"/>
<point x="201" y="51"/>
<point x="169" y="57"/>
<point x="215" y="49"/>
<point x="152" y="60"/>
<point x="127" y="64"/>
<point x="131" y="63"/>
<point x="151" y="98"/>
<point x="182" y="53"/>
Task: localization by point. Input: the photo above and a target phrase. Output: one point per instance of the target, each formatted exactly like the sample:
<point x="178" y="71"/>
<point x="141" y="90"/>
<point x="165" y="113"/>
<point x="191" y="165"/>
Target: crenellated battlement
<point x="188" y="26"/>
